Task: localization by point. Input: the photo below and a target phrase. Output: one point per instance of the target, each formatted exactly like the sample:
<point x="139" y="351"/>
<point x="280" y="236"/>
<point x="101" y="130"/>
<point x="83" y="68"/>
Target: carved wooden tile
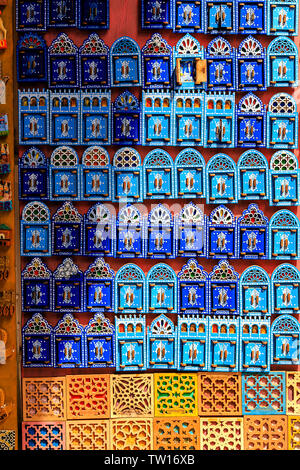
<point x="43" y="436"/>
<point x="294" y="432"/>
<point x="131" y="434"/>
<point x="87" y="396"/>
<point x="221" y="434"/>
<point x="175" y="394"/>
<point x="44" y="399"/>
<point x="265" y="433"/>
<point x="176" y="434"/>
<point x="293" y="393"/>
<point x="131" y="395"/>
<point x="219" y="394"/>
<point x="87" y="435"/>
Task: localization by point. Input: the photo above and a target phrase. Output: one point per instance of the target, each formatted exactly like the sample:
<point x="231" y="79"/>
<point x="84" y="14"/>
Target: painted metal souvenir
<point x="284" y="179"/>
<point x="219" y="122"/>
<point x="255" y="292"/>
<point x="3" y="34"/>
<point x="99" y="342"/>
<point x="37" y="339"/>
<point x="284" y="235"/>
<point x="125" y="63"/>
<point x="93" y="14"/>
<point x="67" y="287"/>
<point x="161" y="339"/>
<point x="5" y="195"/>
<point x="95" y="174"/>
<point x="285" y="340"/>
<point x="63" y="63"/>
<point x="252" y="16"/>
<point x="251" y="63"/>
<point x="65" y="122"/>
<point x="221" y="234"/>
<point x="157" y="109"/>
<point x="251" y="122"/>
<point x="4" y="159"/>
<point x="31" y="58"/>
<point x="4" y="267"/>
<point x="99" y="231"/>
<point x="157" y="63"/>
<point x="126" y="120"/>
<point x="192" y="289"/>
<point x="94" y="62"/>
<point x="5" y="236"/>
<point x="64" y="175"/>
<point x="67" y="231"/>
<point x="98" y="287"/>
<point x="131" y="348"/>
<point x="3" y="82"/>
<point x="62" y="13"/>
<point x="221" y="180"/>
<point x="68" y="343"/>
<point x="36" y="287"/>
<point x="33" y="117"/>
<point x="130" y="233"/>
<point x="127" y="176"/>
<point x="158" y="175"/>
<point x="285" y="290"/>
<point x="255" y="344"/>
<point x="156" y="14"/>
<point x="188" y="119"/>
<point x="253" y="234"/>
<point x="282" y="122"/>
<point x="282" y="56"/>
<point x="190" y="231"/>
<point x="31" y="15"/>
<point x="221" y="59"/>
<point x="189" y="174"/>
<point x="35" y="230"/>
<point x="189" y="63"/>
<point x="159" y="238"/>
<point x="188" y="16"/>
<point x="161" y="296"/>
<point x="224" y="343"/>
<point x="192" y="348"/>
<point x="130" y="290"/>
<point x="283" y="17"/>
<point x="223" y="289"/>
<point x="96" y="117"/>
<point x="253" y="171"/>
<point x="33" y="175"/>
<point x="3" y="124"/>
<point x="220" y="16"/>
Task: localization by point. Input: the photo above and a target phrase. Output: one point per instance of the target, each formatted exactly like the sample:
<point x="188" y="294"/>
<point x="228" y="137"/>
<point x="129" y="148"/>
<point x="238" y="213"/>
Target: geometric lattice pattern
<point x="293" y="432"/>
<point x="43" y="436"/>
<point x="87" y="435"/>
<point x="176" y="434"/>
<point x="131" y="434"/>
<point x="7" y="440"/>
<point x="131" y="395"/>
<point x="219" y="394"/>
<point x="265" y="433"/>
<point x="264" y="394"/>
<point x="175" y="395"/>
<point x="293" y="393"/>
<point x="221" y="434"/>
<point x="87" y="396"/>
<point x="44" y="399"/>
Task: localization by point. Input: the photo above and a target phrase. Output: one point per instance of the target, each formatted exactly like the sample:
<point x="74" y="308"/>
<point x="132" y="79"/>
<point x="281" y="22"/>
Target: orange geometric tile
<point x="176" y="433"/>
<point x="293" y="393"/>
<point x="221" y="434"/>
<point x="87" y="396"/>
<point x="44" y="399"/>
<point x="131" y="395"/>
<point x="265" y="432"/>
<point x="294" y="432"/>
<point x="87" y="434"/>
<point x="220" y="394"/>
<point x="175" y="394"/>
<point x="131" y="434"/>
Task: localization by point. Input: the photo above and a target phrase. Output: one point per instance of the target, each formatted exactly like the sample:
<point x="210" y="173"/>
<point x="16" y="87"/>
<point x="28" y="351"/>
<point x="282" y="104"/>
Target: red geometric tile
<point x="88" y="396"/>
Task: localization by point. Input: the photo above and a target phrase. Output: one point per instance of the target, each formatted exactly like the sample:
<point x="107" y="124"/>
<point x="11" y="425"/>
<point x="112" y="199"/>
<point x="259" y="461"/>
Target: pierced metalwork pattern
<point x="127" y="158"/>
<point x="64" y="156"/>
<point x="95" y="157"/>
<point x="283" y="161"/>
<point x="36" y="269"/>
<point x="35" y="212"/>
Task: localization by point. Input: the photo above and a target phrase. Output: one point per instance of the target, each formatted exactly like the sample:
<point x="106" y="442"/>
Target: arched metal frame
<point x="284" y="179"/>
<point x="31" y="58"/>
<point x="159" y="233"/>
<point x="130" y="290"/>
<point x="36" y="287"/>
<point x="251" y="122"/>
<point x="251" y="73"/>
<point x="99" y="231"/>
<point x="161" y="296"/>
<point x="282" y="122"/>
<point x="127" y="176"/>
<point x="67" y="287"/>
<point x="220" y="57"/>
<point x="131" y="346"/>
<point x="38" y="342"/>
<point x="33" y="175"/>
<point x="161" y="343"/>
<point x="68" y="343"/>
<point x="189" y="174"/>
<point x="253" y="180"/>
<point x="67" y="228"/>
<point x="255" y="291"/>
<point x="188" y="57"/>
<point x="223" y="290"/>
<point x="192" y="346"/>
<point x="35" y="230"/>
<point x="130" y="233"/>
<point x="221" y="234"/>
<point x="99" y="342"/>
<point x="255" y="344"/>
<point x="95" y="174"/>
<point x="63" y="63"/>
<point x="192" y="289"/>
<point x="285" y="340"/>
<point x="284" y="236"/>
<point x="64" y="175"/>
<point x="157" y="63"/>
<point x="282" y="57"/>
<point x="190" y="231"/>
<point x="285" y="290"/>
<point x="221" y="180"/>
<point x="126" y="120"/>
<point x="125" y="63"/>
<point x="99" y="287"/>
<point x="158" y="175"/>
<point x="253" y="234"/>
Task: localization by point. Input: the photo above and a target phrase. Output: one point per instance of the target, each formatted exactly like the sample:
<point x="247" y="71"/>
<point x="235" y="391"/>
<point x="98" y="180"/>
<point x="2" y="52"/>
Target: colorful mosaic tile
<point x="175" y="394"/>
<point x="43" y="436"/>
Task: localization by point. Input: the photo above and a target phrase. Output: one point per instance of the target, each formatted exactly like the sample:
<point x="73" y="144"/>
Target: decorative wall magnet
<point x="255" y="292"/>
<point x="4" y="159"/>
<point x="33" y="117"/>
<point x="36" y="287"/>
<point x="190" y="231"/>
<point x="160" y="233"/>
<point x="98" y="287"/>
<point x="284" y="179"/>
<point x="157" y="63"/>
<point x="67" y="231"/>
<point x="161" y="289"/>
<point x="189" y="63"/>
<point x="68" y="343"/>
<point x="192" y="290"/>
<point x="251" y="16"/>
<point x="253" y="234"/>
<point x="189" y="174"/>
<point x="94" y="62"/>
<point x="157" y="117"/>
<point x="253" y="171"/>
<point x="7" y="303"/>
<point x="63" y="63"/>
<point x="282" y="122"/>
<point x="188" y="16"/>
<point x="282" y="56"/>
<point x="251" y="65"/>
<point x="99" y="231"/>
<point x="93" y="14"/>
<point x="35" y="230"/>
<point x="5" y="236"/>
<point x="65" y="123"/>
<point x="192" y="343"/>
<point x="67" y="287"/>
<point x="223" y="289"/>
<point x="251" y="122"/>
<point x="255" y="344"/>
<point x="31" y="16"/>
<point x="95" y="174"/>
<point x="158" y="175"/>
<point x="3" y="124"/>
<point x="282" y="17"/>
<point x="126" y="120"/>
<point x="130" y="290"/>
<point x="284" y="235"/>
<point x="125" y="63"/>
<point x="62" y="13"/>
<point x="37" y="339"/>
<point x="4" y="267"/>
<point x="130" y="342"/>
<point x="221" y="234"/>
<point x="127" y="176"/>
<point x="220" y="16"/>
<point x="220" y="57"/>
<point x="285" y="294"/>
<point x="219" y="125"/>
<point x="221" y="180"/>
<point x="224" y="339"/>
<point x="156" y="14"/>
<point x="285" y="340"/>
<point x="33" y="175"/>
<point x="64" y="175"/>
<point x="188" y="122"/>
<point x="96" y="117"/>
<point x="130" y="233"/>
<point x="5" y="195"/>
<point x="31" y="58"/>
<point x="99" y="342"/>
<point x="162" y="336"/>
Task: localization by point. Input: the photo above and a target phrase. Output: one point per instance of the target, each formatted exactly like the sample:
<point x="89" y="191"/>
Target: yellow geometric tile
<point x="87" y="434"/>
<point x="294" y="432"/>
<point x="293" y="393"/>
<point x="131" y="434"/>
